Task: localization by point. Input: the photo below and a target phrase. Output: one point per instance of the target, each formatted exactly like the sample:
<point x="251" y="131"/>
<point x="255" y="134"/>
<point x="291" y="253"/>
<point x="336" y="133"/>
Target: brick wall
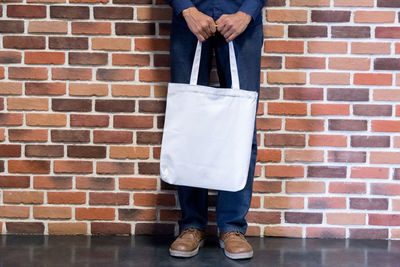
<point x="82" y="100"/>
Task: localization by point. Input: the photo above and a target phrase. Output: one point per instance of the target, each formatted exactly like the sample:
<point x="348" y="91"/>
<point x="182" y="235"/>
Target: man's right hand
<point x="200" y="24"/>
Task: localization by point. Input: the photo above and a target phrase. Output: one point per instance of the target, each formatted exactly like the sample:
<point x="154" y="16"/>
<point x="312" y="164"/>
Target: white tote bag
<point x="208" y="132"/>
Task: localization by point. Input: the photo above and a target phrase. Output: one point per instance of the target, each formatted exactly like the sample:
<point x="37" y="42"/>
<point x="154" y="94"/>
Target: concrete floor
<point x="36" y="250"/>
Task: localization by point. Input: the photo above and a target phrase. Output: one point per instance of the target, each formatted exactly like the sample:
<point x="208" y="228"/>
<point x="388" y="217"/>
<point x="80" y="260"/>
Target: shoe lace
<point x="193" y="231"/>
<point x="235" y="233"/>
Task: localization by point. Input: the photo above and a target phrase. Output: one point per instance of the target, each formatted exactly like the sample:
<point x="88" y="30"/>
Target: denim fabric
<point x="215" y="9"/>
<point x="232" y="207"/>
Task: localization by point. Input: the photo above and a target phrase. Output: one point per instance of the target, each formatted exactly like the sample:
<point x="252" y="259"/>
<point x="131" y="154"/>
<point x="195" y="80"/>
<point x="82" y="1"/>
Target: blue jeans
<point x="231" y="207"/>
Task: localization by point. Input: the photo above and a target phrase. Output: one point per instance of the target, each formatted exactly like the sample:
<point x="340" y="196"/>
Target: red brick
<point x="70" y="166"/>
<point x="31" y="73"/>
<point x="66" y="198"/>
<point x="94" y="213"/>
<point x="29" y="166"/>
<point x="52" y="182"/>
<point x="10" y="181"/>
<point x="45" y="88"/>
<point x="101" y="198"/>
<point x="26" y="11"/>
<point x="137" y="183"/>
<point x="275" y="46"/>
<point x="81" y="74"/>
<point x="113" y="137"/>
<point x="115" y="168"/>
<point x="95" y="183"/>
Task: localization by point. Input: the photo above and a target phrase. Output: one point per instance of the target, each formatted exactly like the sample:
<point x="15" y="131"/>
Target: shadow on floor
<point x="36" y="250"/>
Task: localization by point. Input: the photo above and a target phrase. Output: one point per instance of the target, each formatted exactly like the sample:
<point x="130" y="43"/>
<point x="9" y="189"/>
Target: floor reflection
<point x="35" y="250"/>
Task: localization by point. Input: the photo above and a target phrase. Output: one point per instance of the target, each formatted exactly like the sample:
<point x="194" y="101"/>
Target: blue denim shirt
<point x="215" y="8"/>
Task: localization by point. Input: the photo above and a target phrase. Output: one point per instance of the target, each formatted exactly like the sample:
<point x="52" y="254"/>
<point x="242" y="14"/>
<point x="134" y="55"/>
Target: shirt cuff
<point x="252" y="7"/>
<point x="180" y="5"/>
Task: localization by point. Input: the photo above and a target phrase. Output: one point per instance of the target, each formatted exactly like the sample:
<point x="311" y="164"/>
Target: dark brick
<point x="276" y="3"/>
<point x="10" y="150"/>
<point x="372" y="110"/>
<point x="108" y="198"/>
<point x="269" y="93"/>
<point x="130" y="28"/>
<point x="78" y="120"/>
<point x="1" y="165"/>
<point x="149" y="168"/>
<point x="86" y="152"/>
<point x="7" y="57"/>
<point x="330" y="16"/>
<point x="153" y="106"/>
<point x="164" y="29"/>
<point x="115" y="105"/>
<point x="110" y="228"/>
<point x="365" y="233"/>
<point x="351" y="32"/>
<point x="284" y="140"/>
<point x="161" y="60"/>
<point x="271" y="62"/>
<point x="369" y="203"/>
<point x="160" y="122"/>
<point x="300" y="31"/>
<point x="115" y="74"/>
<point x="95" y="183"/>
<point x="24" y="227"/>
<point x="388" y="3"/>
<point x="347" y="125"/>
<point x="14" y="181"/>
<point x="13" y="26"/>
<point x="68" y="43"/>
<point x="149" y="137"/>
<point x="303" y="93"/>
<point x="136" y="215"/>
<point x="83" y="105"/>
<point x="387" y="64"/>
<point x="80" y="136"/>
<point x="154" y="229"/>
<point x="370" y="141"/>
<point x="327" y="171"/>
<point x="45" y="88"/>
<point x="26" y="11"/>
<point x="1" y="103"/>
<point x="303" y="217"/>
<point x="387" y="32"/>
<point x="113" y="12"/>
<point x="339" y="94"/>
<point x="44" y="151"/>
<point x="24" y="42"/>
<point x="69" y="12"/>
<point x="76" y="58"/>
<point x="347" y="156"/>
<point x="396" y="174"/>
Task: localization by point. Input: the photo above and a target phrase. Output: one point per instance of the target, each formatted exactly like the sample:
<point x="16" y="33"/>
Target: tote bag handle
<point x="232" y="61"/>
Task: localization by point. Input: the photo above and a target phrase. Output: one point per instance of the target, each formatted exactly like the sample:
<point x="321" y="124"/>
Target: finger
<point x="226" y="29"/>
<point x="212" y="27"/>
<point x="204" y="35"/>
<point x="200" y="37"/>
<point x="232" y="37"/>
<point x="229" y="34"/>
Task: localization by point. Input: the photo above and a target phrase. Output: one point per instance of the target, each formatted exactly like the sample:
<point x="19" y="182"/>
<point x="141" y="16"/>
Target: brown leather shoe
<point x="187" y="243"/>
<point x="235" y="245"/>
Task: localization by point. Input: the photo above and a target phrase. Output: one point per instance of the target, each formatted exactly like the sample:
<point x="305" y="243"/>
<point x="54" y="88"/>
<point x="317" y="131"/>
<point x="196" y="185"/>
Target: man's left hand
<point x="231" y="25"/>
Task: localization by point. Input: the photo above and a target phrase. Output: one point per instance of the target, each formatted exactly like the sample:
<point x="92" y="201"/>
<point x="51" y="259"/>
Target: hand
<point x="231" y="25"/>
<point x="200" y="24"/>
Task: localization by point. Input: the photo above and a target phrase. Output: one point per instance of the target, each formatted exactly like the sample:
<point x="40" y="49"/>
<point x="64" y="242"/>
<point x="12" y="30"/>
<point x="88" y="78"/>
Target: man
<point x="215" y="23"/>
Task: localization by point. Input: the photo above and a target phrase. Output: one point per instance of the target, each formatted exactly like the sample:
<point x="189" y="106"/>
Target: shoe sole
<point x="235" y="256"/>
<point x="186" y="254"/>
